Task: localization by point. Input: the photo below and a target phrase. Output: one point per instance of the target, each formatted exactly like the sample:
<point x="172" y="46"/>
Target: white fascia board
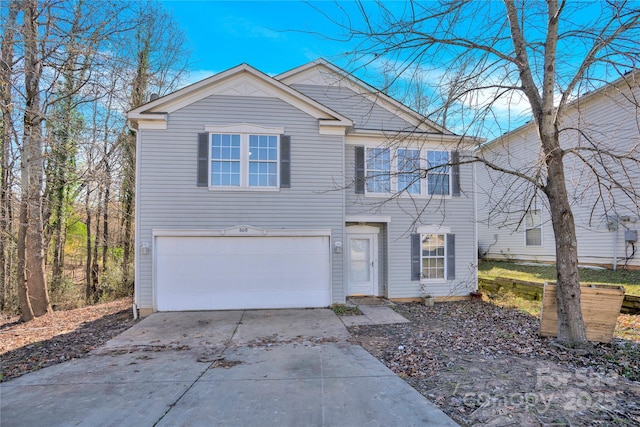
<point x="155" y="124"/>
<point x="332" y="130"/>
<point x="219" y="82"/>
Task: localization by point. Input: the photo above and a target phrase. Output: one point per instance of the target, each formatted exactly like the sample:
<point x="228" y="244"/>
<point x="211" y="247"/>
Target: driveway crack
<point x="211" y="365"/>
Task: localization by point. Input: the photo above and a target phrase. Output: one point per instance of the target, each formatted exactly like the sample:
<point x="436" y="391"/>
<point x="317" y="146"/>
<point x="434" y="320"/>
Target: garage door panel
<point x="204" y="273"/>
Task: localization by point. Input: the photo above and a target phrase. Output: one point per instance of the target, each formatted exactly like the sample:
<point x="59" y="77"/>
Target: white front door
<point x="362" y="261"/>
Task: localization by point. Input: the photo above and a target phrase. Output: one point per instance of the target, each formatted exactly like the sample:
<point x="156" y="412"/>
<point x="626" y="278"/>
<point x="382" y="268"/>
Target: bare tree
<point x="7" y="54"/>
<point x="69" y="69"/>
<point x="543" y="52"/>
<point x="159" y="62"/>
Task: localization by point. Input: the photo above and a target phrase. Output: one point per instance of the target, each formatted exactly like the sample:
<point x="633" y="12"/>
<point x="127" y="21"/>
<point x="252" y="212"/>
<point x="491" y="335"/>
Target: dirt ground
<point x="59" y="336"/>
<point x="485" y="365"/>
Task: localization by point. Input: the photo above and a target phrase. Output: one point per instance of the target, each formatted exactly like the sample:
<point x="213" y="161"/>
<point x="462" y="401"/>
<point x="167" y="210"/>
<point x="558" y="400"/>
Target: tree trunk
<point x="105" y="223"/>
<point x="34" y="272"/>
<point x="95" y="268"/>
<point x="571" y="330"/>
<point x="6" y="71"/>
<point x="89" y="286"/>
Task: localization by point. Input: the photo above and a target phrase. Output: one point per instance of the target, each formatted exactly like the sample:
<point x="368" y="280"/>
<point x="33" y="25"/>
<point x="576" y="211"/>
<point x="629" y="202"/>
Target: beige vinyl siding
<point x="364" y="113"/>
<point x="406" y="215"/>
<point x="170" y="199"/>
<point x="610" y="121"/>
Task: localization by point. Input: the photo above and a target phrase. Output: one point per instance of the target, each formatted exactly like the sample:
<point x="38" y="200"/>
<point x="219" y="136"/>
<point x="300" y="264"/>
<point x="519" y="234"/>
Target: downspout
<point x="475" y="222"/>
<point x="136" y="274"/>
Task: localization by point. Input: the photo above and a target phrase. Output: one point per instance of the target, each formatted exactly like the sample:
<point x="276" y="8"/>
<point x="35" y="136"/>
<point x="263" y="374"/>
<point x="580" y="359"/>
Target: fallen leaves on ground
<point x="59" y="336"/>
<point x="486" y="365"/>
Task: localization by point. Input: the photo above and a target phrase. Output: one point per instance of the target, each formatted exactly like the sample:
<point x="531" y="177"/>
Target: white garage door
<point x="221" y="273"/>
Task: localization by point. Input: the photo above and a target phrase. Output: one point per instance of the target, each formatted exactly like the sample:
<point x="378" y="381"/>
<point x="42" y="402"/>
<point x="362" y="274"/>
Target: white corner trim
<point x="244" y="128"/>
<point x="433" y="229"/>
<point x="367" y="218"/>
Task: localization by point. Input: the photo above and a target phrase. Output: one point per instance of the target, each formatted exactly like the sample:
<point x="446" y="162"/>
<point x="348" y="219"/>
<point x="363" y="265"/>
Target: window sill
<point x="245" y="189"/>
<point x="432" y="281"/>
<point x="407" y="196"/>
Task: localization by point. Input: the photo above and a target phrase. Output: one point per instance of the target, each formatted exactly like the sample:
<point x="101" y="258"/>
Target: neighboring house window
<point x="378" y="170"/>
<point x="438" y="176"/>
<point x="533" y="228"/>
<point x="433" y="256"/>
<point x="409" y="171"/>
<point x="244" y="160"/>
<point x="401" y="170"/>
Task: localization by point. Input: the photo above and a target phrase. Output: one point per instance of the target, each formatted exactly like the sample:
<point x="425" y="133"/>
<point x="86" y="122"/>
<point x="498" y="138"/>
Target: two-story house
<point x="297" y="190"/>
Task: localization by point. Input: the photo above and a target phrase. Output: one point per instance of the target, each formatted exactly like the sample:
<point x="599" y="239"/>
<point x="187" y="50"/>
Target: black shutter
<point x="360" y="170"/>
<point x="451" y="256"/>
<point x="455" y="173"/>
<point x="203" y="160"/>
<point x="285" y="161"/>
<point x="416" y="268"/>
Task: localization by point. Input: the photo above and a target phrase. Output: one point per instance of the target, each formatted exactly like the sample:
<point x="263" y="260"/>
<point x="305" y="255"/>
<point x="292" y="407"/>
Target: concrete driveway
<point x="232" y="368"/>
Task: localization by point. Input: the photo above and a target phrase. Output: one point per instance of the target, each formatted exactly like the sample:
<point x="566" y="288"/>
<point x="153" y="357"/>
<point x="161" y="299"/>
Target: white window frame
<point x="443" y="257"/>
<point x="528" y="226"/>
<point x="394" y="170"/>
<point x="245" y="130"/>
<point x="434" y="230"/>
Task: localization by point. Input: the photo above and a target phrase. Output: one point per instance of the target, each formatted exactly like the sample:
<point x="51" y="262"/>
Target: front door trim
<point x="363" y="231"/>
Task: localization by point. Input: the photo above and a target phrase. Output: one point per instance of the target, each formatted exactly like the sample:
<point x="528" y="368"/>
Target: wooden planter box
<point x="600" y="308"/>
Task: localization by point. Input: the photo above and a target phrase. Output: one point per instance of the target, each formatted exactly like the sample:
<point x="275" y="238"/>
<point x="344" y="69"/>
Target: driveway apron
<point x="225" y="368"/>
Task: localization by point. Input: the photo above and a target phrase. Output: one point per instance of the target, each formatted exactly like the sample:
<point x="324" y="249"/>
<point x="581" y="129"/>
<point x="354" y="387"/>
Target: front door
<point x="362" y="261"/>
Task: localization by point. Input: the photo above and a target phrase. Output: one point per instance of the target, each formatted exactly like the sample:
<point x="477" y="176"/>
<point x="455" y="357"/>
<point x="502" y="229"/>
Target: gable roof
<point x="323" y="73"/>
<point x="240" y="80"/>
<point x="629" y="79"/>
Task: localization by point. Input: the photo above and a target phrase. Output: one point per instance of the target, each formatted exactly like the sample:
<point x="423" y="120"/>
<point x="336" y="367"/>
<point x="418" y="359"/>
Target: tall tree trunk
<point x="105" y="222"/>
<point x="89" y="285"/>
<point x="31" y="206"/>
<point x="6" y="71"/>
<point x="95" y="268"/>
<point x="571" y="329"/>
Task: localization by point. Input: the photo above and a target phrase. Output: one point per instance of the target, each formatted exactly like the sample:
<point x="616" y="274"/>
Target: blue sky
<point x="273" y="36"/>
<point x="276" y="36"/>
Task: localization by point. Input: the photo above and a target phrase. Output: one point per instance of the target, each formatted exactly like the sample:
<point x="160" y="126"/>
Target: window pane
<point x="438" y="184"/>
<point x="263" y="161"/>
<point x="225" y="160"/>
<point x="438" y="177"/>
<point x="409" y="171"/>
<point x="378" y="170"/>
<point x="433" y="256"/>
<point x="534" y="237"/>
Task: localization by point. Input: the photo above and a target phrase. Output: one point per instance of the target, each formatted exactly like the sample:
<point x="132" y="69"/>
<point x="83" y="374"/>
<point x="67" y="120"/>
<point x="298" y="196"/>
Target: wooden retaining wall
<point x="533" y="291"/>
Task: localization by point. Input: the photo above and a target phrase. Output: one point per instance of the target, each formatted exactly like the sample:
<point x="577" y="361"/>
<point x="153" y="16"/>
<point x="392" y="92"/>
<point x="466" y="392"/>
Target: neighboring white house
<point x="297" y="190"/>
<point x="514" y="223"/>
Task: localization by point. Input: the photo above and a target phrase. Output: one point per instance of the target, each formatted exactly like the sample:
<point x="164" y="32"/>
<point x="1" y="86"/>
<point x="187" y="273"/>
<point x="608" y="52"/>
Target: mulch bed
<point x="486" y="365"/>
<point x="59" y="336"/>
